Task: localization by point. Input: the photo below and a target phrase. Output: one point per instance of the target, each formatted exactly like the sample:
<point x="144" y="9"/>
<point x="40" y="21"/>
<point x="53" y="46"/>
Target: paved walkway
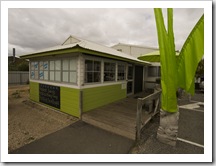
<point x="79" y="138"/>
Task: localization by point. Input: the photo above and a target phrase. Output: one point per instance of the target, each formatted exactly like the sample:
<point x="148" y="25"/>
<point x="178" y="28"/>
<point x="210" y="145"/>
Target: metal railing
<point x="152" y="102"/>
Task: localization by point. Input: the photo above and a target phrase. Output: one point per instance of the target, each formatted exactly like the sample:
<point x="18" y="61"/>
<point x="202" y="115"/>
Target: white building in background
<point x="151" y="73"/>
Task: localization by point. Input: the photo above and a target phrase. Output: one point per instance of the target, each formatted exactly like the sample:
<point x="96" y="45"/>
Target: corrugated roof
<point x="89" y="46"/>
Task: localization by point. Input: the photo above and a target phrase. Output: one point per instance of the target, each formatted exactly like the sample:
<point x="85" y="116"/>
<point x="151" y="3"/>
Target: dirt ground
<point x="28" y="121"/>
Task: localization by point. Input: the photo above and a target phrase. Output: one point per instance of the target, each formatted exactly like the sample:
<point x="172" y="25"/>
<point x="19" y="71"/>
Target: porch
<point x="120" y="117"/>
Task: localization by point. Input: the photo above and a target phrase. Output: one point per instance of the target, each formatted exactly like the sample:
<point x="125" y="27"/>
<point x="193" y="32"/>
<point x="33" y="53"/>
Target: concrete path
<point x="78" y="138"/>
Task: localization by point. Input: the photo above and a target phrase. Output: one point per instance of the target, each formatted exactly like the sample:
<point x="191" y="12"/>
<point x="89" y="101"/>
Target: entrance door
<point x="130" y="80"/>
<point x="138" y="79"/>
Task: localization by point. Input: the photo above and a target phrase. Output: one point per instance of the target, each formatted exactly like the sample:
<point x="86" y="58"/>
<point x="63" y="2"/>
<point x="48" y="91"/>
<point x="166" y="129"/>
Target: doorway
<point x="138" y="81"/>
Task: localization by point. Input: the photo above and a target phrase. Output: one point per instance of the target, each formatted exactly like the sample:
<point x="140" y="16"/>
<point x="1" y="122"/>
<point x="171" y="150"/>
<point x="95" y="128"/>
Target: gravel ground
<point x="28" y="121"/>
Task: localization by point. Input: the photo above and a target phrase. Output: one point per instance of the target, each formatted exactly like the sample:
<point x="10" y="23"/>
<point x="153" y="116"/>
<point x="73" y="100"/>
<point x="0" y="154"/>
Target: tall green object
<point x="168" y="61"/>
<point x="190" y="56"/>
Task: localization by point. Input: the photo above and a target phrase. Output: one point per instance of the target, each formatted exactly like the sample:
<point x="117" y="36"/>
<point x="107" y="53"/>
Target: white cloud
<point x="33" y="29"/>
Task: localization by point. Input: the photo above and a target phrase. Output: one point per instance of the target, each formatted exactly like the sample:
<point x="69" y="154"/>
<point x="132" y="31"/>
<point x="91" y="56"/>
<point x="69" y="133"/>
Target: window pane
<point x="51" y="75"/>
<point x="57" y="76"/>
<point x="73" y="64"/>
<point x="73" y="77"/>
<point x="36" y="65"/>
<point x="45" y="65"/>
<point x="97" y="66"/>
<point x="41" y="74"/>
<point x="152" y="71"/>
<point x="65" y="64"/>
<point x="109" y="76"/>
<point x="109" y="71"/>
<point x="97" y="77"/>
<point x="88" y="65"/>
<point x="32" y="65"/>
<point x="32" y="74"/>
<point x="121" y="72"/>
<point x="65" y="77"/>
<point x="57" y="65"/>
<point x="41" y="65"/>
<point x="36" y="75"/>
<point x="88" y="77"/>
<point x="130" y="72"/>
<point x="45" y="75"/>
<point x="51" y="65"/>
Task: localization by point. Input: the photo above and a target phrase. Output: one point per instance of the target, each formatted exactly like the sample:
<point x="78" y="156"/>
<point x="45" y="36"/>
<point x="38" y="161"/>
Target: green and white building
<point x="79" y="76"/>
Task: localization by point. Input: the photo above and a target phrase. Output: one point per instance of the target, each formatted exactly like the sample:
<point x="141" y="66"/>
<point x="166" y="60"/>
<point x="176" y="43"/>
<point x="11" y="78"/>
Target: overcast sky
<point x="30" y="30"/>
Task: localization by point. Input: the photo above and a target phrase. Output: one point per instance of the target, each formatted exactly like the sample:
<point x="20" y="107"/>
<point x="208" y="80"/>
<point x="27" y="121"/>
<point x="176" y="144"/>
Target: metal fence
<point x="18" y="77"/>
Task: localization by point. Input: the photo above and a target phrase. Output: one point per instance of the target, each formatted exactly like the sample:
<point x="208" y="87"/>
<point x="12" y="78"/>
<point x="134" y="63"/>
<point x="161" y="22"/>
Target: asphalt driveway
<point x="78" y="138"/>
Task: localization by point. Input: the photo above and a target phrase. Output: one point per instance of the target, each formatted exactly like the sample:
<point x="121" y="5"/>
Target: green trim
<point x="34" y="91"/>
<point x="69" y="99"/>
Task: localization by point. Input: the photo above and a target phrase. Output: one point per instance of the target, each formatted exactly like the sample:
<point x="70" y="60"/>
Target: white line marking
<point x="190" y="142"/>
<point x="193" y="106"/>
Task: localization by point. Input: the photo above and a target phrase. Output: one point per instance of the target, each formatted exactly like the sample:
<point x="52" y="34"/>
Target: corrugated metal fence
<point x="18" y="77"/>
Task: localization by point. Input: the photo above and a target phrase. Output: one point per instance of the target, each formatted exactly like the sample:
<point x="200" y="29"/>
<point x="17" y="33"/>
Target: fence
<point x="18" y="77"/>
<point x="152" y="102"/>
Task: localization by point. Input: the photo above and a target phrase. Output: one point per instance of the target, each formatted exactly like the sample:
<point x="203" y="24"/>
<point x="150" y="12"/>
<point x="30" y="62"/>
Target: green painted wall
<point x="34" y="91"/>
<point x="69" y="99"/>
<point x="99" y="96"/>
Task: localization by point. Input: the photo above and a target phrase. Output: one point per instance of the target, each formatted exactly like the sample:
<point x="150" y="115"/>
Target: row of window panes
<point x="93" y="71"/>
<point x="52" y="70"/>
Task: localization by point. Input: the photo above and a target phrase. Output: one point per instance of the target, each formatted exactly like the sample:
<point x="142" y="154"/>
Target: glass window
<point x="121" y="72"/>
<point x="51" y="65"/>
<point x="92" y="71"/>
<point x="32" y="74"/>
<point x="41" y="75"/>
<point x="58" y="65"/>
<point x="65" y="76"/>
<point x="130" y="72"/>
<point x="41" y="66"/>
<point x="45" y="75"/>
<point x="73" y="77"/>
<point x="154" y="71"/>
<point x="51" y="75"/>
<point x="65" y="64"/>
<point x="57" y="75"/>
<point x="45" y="65"/>
<point x="73" y="64"/>
<point x="109" y="71"/>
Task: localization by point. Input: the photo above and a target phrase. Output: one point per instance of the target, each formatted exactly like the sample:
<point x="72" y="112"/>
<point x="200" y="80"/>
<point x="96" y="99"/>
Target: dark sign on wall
<point x="49" y="95"/>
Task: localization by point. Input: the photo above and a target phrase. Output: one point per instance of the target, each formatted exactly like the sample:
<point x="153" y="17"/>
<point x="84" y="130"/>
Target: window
<point x="55" y="70"/>
<point x="121" y="72"/>
<point x="92" y="71"/>
<point x="34" y="70"/>
<point x="69" y="70"/>
<point x="130" y="72"/>
<point x="109" y="71"/>
<point x="154" y="71"/>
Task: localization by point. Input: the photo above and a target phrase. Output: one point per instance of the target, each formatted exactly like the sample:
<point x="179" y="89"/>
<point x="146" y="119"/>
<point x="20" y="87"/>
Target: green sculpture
<point x="177" y="70"/>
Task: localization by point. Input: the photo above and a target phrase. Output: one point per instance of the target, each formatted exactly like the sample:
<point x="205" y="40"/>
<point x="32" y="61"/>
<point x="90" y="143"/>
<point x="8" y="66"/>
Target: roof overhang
<point x="77" y="48"/>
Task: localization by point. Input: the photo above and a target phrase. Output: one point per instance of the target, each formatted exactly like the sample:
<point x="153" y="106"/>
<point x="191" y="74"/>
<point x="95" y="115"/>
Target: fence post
<point x="138" y="119"/>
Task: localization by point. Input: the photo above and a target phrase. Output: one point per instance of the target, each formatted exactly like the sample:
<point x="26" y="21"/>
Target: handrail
<point x="140" y="102"/>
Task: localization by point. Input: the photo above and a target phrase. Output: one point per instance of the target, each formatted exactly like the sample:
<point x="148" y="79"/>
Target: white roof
<point x="133" y="45"/>
<point x="75" y="41"/>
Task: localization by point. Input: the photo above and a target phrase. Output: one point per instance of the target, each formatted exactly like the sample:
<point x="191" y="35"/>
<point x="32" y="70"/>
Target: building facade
<point x="79" y="76"/>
